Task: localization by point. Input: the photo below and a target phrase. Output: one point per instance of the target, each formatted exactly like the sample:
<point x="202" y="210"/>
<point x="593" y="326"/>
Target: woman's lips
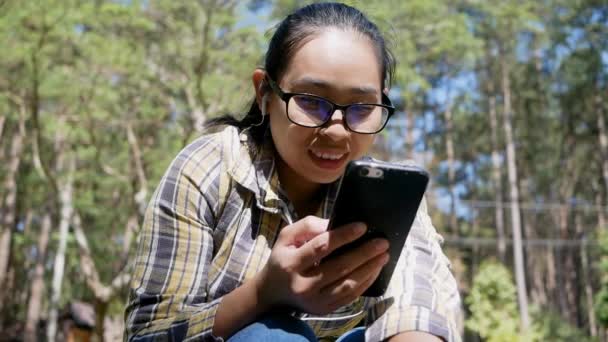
<point x="328" y="160"/>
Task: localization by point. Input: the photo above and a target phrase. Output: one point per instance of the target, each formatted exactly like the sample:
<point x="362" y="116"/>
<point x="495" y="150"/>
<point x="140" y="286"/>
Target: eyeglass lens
<point x="314" y="111"/>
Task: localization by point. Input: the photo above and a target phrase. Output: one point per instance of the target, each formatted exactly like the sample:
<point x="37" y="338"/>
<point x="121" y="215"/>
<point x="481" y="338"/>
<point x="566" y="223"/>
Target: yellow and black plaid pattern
<point x="211" y="225"/>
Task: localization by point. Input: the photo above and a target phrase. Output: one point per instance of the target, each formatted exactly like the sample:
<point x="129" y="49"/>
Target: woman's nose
<point x="335" y="128"/>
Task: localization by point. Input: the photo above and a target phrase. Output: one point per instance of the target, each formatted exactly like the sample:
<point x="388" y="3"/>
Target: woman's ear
<point x="259" y="84"/>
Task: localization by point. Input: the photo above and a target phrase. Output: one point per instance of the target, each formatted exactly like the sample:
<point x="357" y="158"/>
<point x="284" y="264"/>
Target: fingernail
<point x="385" y="259"/>
<point x="360" y="228"/>
<point x="381" y="244"/>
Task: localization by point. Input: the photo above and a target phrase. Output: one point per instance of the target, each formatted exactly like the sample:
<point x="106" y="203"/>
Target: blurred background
<point x="505" y="102"/>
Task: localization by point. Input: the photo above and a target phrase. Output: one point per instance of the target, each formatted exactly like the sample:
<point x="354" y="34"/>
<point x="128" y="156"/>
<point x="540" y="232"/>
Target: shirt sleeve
<point x="168" y="298"/>
<point x="423" y="294"/>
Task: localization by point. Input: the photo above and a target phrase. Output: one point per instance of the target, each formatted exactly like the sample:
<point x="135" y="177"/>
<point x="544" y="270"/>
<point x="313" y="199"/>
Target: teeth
<point x="324" y="155"/>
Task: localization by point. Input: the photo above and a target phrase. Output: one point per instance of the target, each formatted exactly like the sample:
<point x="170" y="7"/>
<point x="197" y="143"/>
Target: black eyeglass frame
<point x="285" y="96"/>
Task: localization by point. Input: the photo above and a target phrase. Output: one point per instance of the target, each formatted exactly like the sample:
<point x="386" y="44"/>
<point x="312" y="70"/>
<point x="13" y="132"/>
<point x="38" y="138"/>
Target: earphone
<point x="264" y="104"/>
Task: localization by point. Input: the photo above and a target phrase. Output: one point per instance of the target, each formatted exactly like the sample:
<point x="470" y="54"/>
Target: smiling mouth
<point x="330" y="161"/>
<point x="328" y="156"/>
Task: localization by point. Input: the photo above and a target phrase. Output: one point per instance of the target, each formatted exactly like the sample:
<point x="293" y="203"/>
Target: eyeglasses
<point x="312" y="111"/>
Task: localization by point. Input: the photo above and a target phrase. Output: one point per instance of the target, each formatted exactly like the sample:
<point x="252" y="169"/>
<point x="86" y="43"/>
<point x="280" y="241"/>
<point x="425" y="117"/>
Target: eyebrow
<point x="318" y="83"/>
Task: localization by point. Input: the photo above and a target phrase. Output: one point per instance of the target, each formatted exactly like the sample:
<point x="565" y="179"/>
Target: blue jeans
<point x="287" y="329"/>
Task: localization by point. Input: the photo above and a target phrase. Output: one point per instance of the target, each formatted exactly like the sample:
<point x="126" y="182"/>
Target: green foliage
<point x="493" y="304"/>
<point x="551" y="327"/>
<point x="99" y="69"/>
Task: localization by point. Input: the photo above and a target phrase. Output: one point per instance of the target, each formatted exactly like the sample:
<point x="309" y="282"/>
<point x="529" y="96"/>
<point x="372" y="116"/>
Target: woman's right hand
<point x="293" y="276"/>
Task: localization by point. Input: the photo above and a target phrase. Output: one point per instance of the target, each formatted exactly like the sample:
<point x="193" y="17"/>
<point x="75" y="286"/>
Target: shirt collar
<point x="254" y="168"/>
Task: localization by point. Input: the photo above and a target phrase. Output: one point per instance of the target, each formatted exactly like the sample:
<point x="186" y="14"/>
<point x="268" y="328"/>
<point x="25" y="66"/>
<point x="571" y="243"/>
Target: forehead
<point x="343" y="59"/>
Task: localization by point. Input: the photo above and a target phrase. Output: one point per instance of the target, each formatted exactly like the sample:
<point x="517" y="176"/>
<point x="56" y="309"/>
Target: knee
<point x="276" y="328"/>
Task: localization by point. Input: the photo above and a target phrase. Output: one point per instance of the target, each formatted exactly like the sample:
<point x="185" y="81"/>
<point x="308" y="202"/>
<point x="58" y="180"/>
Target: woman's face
<point x="343" y="67"/>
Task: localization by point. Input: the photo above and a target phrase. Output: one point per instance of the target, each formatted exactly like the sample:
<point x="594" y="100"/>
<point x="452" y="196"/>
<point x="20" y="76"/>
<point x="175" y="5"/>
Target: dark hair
<point x="294" y="31"/>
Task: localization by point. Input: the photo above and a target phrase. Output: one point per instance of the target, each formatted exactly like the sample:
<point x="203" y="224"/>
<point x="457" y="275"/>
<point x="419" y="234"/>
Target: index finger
<point x="323" y="244"/>
<point x="301" y="231"/>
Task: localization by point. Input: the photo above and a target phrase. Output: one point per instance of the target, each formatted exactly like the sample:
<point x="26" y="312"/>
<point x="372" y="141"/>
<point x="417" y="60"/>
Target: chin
<point x="326" y="179"/>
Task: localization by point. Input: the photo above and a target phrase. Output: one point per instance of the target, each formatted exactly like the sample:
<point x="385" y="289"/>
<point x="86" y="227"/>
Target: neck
<point x="303" y="194"/>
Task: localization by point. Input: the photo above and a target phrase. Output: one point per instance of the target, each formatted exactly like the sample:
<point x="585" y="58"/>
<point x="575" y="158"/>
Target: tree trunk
<point x="539" y="276"/>
<point x="197" y="114"/>
<point x="29" y="262"/>
<point x="67" y="207"/>
<point x="426" y="131"/>
<point x="475" y="232"/>
<point x="9" y="287"/>
<point x="27" y="225"/>
<point x="522" y="295"/>
<point x="449" y="147"/>
<point x="37" y="287"/>
<point x="409" y="130"/>
<point x="567" y="298"/>
<point x="601" y="224"/>
<point x="551" y="271"/>
<point x="567" y="277"/>
<point x="496" y="164"/>
<point x="580" y="232"/>
<point x="101" y="308"/>
<point x="599" y="203"/>
<point x="130" y="230"/>
<point x="535" y="256"/>
<point x="8" y="204"/>
<point x="103" y="293"/>
<point x="532" y="228"/>
<point x="2" y="122"/>
<point x="603" y="139"/>
<point x="497" y="177"/>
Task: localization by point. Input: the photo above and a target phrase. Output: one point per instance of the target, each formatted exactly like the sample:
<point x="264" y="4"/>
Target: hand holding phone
<point x="292" y="278"/>
<point x="386" y="197"/>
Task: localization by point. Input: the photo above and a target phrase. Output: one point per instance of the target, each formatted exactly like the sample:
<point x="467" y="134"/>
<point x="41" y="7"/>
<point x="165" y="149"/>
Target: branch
<point x="42" y="167"/>
<point x="36" y="160"/>
<point x="140" y="196"/>
<point x="162" y="77"/>
<point x="8" y="201"/>
<point x="203" y="61"/>
<point x="35" y="112"/>
<point x="121" y="280"/>
<point x="130" y="229"/>
<point x="86" y="98"/>
<point x="572" y="168"/>
<point x="87" y="264"/>
<point x="111" y="171"/>
<point x="18" y="102"/>
<point x="2" y="120"/>
<point x="102" y="292"/>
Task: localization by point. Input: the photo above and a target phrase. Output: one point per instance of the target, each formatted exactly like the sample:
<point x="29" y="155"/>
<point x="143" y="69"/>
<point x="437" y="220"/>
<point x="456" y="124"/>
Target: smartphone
<point x="386" y="197"/>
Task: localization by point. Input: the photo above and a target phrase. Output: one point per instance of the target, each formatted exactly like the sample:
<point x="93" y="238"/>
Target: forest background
<point x="504" y="102"/>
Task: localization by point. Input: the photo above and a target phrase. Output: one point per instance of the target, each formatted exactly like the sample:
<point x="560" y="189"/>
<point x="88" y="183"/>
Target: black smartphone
<point x="385" y="196"/>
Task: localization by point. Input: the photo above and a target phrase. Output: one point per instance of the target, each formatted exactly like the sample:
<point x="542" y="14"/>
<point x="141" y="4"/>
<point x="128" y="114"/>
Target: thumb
<point x="302" y="231"/>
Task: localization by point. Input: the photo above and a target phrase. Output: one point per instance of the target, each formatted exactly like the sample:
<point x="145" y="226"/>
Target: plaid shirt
<point x="211" y="225"/>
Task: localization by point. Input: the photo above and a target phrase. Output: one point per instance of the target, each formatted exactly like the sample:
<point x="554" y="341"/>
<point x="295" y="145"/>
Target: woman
<point x="233" y="236"/>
